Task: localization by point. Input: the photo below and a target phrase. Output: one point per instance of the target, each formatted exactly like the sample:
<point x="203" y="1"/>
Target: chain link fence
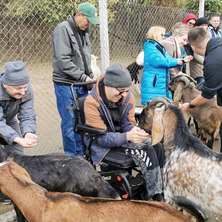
<point x="28" y="37"/>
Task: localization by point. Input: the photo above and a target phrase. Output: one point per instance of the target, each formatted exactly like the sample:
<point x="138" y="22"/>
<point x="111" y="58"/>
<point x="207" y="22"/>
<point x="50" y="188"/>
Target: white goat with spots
<point x="192" y="170"/>
<point x="95" y="69"/>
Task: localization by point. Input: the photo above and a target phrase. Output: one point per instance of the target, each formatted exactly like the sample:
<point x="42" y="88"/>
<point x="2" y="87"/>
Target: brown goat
<point x="208" y="116"/>
<point x="39" y="205"/>
<point x="192" y="170"/>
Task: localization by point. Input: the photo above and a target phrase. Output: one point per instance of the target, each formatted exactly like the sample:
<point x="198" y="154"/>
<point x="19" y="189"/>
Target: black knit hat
<point x="15" y="74"/>
<point x="117" y="76"/>
<point x="201" y="21"/>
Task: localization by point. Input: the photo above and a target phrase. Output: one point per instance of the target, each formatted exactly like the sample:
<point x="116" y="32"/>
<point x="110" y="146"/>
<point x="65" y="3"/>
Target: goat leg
<point x="20" y="217"/>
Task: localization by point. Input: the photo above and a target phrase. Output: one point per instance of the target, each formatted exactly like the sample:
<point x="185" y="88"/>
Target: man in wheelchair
<point x="111" y="106"/>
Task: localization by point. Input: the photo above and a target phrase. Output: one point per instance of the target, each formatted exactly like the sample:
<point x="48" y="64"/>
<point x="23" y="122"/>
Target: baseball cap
<point x="89" y="11"/>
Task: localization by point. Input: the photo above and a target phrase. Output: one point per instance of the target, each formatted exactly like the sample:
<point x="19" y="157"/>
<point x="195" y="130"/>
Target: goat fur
<point x="63" y="173"/>
<point x="39" y="205"/>
<point x="95" y="69"/>
<point x="192" y="170"/>
<point x="208" y="116"/>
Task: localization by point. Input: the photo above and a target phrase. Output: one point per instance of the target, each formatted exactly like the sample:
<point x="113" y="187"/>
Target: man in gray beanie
<point x="16" y="100"/>
<point x="117" y="76"/>
<point x="111" y="106"/>
<point x="16" y="97"/>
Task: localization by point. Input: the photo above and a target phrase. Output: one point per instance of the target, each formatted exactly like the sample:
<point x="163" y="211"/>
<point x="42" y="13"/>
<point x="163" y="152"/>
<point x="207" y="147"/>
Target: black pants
<point x="151" y="159"/>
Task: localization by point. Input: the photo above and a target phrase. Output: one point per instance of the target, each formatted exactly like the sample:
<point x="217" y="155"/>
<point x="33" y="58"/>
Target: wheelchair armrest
<point x="90" y="130"/>
<point x="84" y="83"/>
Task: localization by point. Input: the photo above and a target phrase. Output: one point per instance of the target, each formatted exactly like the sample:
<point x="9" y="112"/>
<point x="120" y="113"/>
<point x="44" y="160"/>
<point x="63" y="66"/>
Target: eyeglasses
<point x="121" y="92"/>
<point x="191" y="23"/>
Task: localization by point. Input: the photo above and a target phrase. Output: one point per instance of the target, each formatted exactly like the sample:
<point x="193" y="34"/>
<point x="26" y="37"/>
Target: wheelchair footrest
<point x="137" y="181"/>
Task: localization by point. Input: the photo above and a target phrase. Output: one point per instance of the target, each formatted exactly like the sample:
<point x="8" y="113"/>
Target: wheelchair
<point x="117" y="167"/>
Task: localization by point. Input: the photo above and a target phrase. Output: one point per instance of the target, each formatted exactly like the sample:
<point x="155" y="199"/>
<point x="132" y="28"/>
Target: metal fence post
<point x="201" y="8"/>
<point x="104" y="37"/>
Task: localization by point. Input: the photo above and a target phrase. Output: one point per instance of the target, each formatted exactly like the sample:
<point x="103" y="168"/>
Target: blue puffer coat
<point x="156" y="74"/>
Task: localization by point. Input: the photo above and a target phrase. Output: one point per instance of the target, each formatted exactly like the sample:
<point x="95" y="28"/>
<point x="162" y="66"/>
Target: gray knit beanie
<point x="15" y="74"/>
<point x="117" y="76"/>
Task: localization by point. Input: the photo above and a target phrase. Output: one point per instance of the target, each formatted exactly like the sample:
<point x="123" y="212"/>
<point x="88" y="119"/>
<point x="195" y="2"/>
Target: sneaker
<point x="3" y="200"/>
<point x="157" y="197"/>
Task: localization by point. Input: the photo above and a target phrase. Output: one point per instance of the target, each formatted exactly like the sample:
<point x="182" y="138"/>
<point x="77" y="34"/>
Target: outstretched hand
<point x="28" y="141"/>
<point x="137" y="135"/>
<point x="184" y="106"/>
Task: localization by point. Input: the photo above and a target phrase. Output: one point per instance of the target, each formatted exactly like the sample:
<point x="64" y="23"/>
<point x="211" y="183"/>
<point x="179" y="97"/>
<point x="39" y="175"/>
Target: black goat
<point x="134" y="69"/>
<point x="62" y="173"/>
<point x="192" y="170"/>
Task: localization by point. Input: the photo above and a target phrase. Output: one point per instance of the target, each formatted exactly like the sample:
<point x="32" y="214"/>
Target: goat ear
<point x="157" y="126"/>
<point x="178" y="92"/>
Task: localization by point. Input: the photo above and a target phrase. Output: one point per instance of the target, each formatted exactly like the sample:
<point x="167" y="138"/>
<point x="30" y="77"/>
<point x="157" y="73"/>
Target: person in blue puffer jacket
<point x="157" y="64"/>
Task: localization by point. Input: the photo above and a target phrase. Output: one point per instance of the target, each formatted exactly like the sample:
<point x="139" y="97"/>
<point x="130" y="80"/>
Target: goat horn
<point x="172" y="81"/>
<point x="181" y="76"/>
<point x="184" y="80"/>
<point x="190" y="78"/>
<point x="156" y="100"/>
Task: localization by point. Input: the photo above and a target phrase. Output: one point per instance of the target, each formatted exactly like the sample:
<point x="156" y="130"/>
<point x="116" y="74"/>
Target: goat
<point x="38" y="205"/>
<point x="63" y="173"/>
<point x="208" y="116"/>
<point x="95" y="69"/>
<point x="134" y="69"/>
<point x="136" y="74"/>
<point x="192" y="170"/>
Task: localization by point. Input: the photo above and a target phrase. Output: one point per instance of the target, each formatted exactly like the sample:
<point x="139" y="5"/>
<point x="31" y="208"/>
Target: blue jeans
<point x="72" y="143"/>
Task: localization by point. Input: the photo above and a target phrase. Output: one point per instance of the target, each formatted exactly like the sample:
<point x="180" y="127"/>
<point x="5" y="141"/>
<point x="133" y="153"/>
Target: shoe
<point x="157" y="197"/>
<point x="3" y="200"/>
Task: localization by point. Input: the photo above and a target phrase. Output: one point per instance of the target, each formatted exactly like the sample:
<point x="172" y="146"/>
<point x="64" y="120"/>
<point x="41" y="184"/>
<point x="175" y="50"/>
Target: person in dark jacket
<point x="111" y="106"/>
<point x="202" y="44"/>
<point x="69" y="66"/>
<point x="16" y="102"/>
<point x="196" y="64"/>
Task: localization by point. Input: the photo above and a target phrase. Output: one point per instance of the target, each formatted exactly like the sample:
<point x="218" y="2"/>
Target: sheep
<point x="39" y="205"/>
<point x="192" y="170"/>
<point x="208" y="116"/>
<point x="95" y="69"/>
<point x="63" y="173"/>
